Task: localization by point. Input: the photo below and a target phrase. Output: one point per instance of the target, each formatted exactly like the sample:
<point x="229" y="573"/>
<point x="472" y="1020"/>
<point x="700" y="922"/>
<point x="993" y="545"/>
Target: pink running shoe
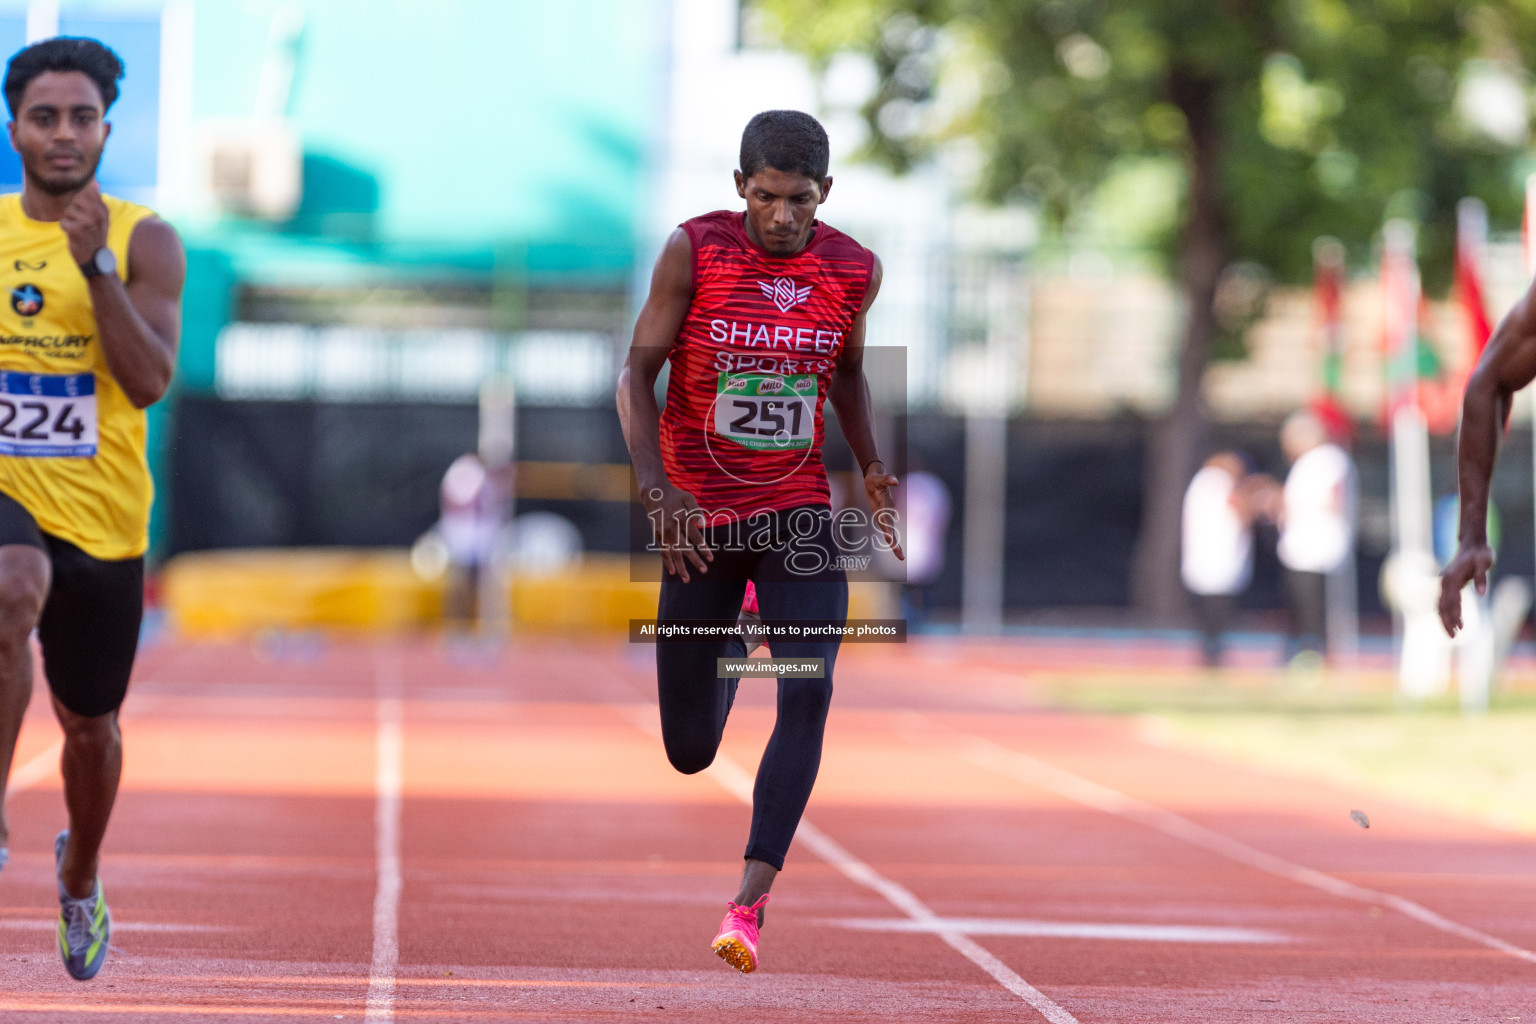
<point x="749" y="623"/>
<point x="737" y="942"/>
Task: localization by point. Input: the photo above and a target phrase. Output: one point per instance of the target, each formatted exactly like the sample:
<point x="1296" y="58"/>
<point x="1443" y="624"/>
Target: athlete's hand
<point x="85" y="222"/>
<point x="1471" y="564"/>
<point x="878" y="484"/>
<point x="675" y="517"/>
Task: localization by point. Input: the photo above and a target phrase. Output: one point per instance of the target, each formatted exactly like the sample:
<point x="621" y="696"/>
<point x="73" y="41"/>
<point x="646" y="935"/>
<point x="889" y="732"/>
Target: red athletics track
<point x="970" y="859"/>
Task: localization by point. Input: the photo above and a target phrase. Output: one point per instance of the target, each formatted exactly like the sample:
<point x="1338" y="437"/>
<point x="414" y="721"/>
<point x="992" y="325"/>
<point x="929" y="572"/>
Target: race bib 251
<point x="765" y="411"/>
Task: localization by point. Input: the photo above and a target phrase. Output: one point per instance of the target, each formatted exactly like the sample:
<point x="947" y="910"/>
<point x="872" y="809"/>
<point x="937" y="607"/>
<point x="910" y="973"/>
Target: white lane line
<point x="386" y="900"/>
<point x="52" y="925"/>
<point x="36" y="769"/>
<point x="730" y="777"/>
<point x="1065" y="929"/>
<point x="996" y="758"/>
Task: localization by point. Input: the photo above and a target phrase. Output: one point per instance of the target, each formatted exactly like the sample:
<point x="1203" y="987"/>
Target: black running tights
<point x="695" y="701"/>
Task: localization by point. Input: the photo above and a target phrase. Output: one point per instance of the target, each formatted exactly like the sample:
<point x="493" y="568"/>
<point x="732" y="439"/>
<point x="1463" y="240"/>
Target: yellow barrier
<point x="595" y="596"/>
<point x="224" y="593"/>
<point x="218" y="593"/>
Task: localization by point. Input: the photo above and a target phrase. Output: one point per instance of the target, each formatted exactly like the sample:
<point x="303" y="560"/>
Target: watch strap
<point x="92" y="267"/>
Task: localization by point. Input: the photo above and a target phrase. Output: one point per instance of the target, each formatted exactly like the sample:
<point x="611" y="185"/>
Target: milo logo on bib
<point x="766" y="411"/>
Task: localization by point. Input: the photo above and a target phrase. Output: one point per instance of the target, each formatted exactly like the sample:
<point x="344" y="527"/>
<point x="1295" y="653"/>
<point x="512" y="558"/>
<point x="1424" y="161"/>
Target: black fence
<point x="268" y="474"/>
<point x="297" y="474"/>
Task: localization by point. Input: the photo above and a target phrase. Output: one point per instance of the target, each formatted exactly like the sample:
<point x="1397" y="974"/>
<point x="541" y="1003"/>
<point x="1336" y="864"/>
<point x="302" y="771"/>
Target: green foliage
<point x="1332" y="114"/>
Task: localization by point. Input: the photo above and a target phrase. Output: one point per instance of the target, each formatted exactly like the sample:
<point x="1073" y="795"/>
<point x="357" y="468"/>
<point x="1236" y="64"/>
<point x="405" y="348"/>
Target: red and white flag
<point x="1471" y="261"/>
<point x="1400" y="292"/>
<point x="1328" y="290"/>
<point x="1528" y="226"/>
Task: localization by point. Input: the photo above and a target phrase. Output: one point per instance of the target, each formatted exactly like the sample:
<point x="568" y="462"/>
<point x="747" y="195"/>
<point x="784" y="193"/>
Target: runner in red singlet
<point x="762" y="317"/>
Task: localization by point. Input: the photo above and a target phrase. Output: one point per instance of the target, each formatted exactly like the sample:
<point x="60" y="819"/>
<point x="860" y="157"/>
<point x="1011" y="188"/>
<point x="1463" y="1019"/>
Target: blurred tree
<point x="1290" y="118"/>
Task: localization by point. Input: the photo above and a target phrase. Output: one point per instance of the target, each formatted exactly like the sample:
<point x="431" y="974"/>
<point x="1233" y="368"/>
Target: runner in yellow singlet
<point x="90" y="313"/>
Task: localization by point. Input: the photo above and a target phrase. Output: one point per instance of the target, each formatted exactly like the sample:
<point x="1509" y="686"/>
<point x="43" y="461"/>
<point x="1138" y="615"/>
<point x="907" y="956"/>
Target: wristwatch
<point x="103" y="262"/>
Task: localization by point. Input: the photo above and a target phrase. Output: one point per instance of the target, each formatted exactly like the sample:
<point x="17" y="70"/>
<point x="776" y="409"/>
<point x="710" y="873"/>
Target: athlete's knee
<point x="805" y="698"/>
<point x="690" y="750"/>
<point x="23" y="589"/>
<point x="93" y="733"/>
<point x="691" y="762"/>
<point x="691" y="758"/>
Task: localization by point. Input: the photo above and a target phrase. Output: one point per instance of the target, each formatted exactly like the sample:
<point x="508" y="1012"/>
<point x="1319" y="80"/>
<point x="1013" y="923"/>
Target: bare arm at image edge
<point x="1507" y="365"/>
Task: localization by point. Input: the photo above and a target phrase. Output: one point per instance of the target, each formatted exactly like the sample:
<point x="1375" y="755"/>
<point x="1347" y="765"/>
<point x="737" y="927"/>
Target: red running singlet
<point x="742" y="429"/>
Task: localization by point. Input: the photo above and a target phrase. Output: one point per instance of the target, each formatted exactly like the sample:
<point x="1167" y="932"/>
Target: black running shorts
<point x="89" y="630"/>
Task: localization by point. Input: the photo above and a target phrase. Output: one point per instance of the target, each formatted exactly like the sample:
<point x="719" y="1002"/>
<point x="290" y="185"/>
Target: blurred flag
<point x="1328" y="288"/>
<point x="1471" y="292"/>
<point x="1528" y="226"/>
<point x="1401" y="295"/>
<point x="1415" y="374"/>
<point x="1471" y="258"/>
<point x="1439" y="393"/>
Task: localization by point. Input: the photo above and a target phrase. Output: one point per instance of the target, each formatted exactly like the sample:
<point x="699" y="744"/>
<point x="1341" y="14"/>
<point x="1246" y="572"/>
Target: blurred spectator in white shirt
<point x="472" y="514"/>
<point x="1217" y="552"/>
<point x="1317" y="516"/>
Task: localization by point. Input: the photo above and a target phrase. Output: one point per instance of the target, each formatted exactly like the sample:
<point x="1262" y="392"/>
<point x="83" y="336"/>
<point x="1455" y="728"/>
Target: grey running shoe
<point x="85" y="926"/>
<point x="5" y="857"/>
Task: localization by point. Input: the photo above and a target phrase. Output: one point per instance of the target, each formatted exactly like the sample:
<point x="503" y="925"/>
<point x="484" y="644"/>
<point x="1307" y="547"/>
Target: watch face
<point x="105" y="260"/>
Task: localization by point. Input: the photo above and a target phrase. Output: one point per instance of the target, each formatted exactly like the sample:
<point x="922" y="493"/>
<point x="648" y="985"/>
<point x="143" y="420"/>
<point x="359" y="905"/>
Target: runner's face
<point x="781" y="208"/>
<point x="59" y="131"/>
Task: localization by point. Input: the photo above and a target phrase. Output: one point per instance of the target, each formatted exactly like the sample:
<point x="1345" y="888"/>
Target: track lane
<point x="1380" y="948"/>
<point x="554" y="867"/>
<point x="237" y="863"/>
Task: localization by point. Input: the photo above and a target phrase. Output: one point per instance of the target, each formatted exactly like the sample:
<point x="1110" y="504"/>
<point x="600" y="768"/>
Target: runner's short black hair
<point x="786" y="140"/>
<point x="63" y="53"/>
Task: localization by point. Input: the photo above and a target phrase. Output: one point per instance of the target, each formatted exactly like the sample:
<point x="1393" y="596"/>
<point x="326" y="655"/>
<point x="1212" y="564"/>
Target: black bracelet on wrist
<point x="871" y="462"/>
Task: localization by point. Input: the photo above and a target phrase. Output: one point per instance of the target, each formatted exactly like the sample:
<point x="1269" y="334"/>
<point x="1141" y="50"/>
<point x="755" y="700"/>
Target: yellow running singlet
<point x="71" y="443"/>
